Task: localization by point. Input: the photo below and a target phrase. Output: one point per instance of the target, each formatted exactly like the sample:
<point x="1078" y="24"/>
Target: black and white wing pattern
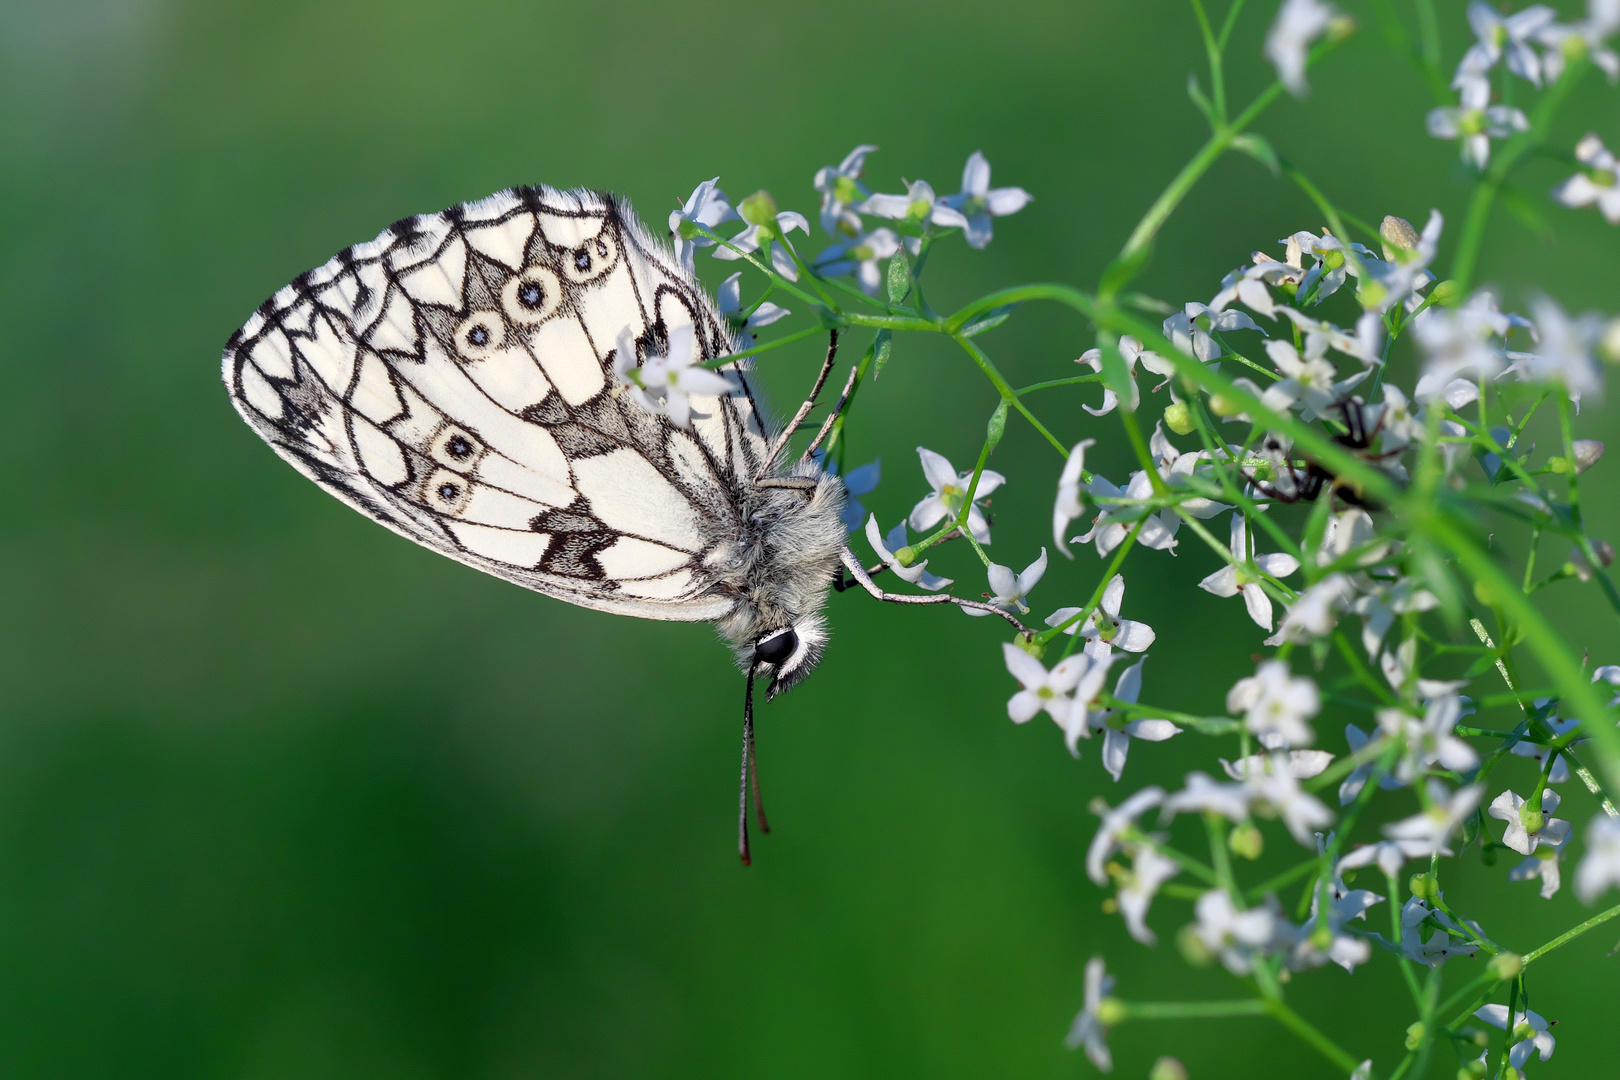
<point x="453" y="380"/>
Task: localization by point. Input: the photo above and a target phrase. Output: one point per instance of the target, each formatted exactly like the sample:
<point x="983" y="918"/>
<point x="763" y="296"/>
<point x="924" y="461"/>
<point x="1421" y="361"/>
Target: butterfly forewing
<point x="453" y="379"/>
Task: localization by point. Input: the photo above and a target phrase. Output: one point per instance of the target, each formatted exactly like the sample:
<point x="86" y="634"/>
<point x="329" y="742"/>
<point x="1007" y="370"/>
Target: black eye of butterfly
<point x="777" y="648"/>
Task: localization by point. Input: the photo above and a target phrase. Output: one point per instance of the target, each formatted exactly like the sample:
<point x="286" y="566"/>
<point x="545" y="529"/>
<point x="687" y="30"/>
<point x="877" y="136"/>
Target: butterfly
<point x="458" y="380"/>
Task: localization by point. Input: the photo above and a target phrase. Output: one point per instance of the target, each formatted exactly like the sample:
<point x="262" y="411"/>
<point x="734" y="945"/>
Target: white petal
<point x="1152" y="729"/>
<point x="1007" y="200"/>
<point x="976" y="175"/>
<point x="1259" y="605"/>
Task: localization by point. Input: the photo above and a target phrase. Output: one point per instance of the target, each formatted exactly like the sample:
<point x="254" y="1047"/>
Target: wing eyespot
<point x="532" y="296"/>
<point x="446" y="492"/>
<point x="591" y="259"/>
<point x="455" y="448"/>
<point x="479" y="335"/>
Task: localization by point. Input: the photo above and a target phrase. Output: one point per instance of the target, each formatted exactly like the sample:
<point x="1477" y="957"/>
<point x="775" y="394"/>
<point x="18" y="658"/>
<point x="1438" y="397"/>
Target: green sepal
<point x="997" y="426"/>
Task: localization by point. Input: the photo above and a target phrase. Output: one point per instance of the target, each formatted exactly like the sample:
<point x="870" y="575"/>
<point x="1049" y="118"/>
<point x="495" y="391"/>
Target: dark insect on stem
<point x="1306" y="482"/>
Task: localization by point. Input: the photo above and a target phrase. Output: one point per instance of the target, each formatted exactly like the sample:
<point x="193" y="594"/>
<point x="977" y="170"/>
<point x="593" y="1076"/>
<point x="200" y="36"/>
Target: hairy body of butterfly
<point x="454" y="380"/>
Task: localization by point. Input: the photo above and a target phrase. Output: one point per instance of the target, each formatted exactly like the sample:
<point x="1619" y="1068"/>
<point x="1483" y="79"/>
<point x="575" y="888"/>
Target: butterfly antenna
<point x="804" y="410"/>
<point x="750" y="776"/>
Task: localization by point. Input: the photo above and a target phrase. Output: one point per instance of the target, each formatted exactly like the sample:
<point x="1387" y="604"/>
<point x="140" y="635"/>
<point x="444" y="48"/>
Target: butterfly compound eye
<point x="776" y="648"/>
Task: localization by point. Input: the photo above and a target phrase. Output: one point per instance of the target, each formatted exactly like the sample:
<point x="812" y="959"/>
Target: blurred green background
<point x="282" y="795"/>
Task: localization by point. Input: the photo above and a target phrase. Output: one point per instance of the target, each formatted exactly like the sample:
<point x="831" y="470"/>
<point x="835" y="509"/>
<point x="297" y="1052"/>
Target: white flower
<point x="1122" y="507"/>
<point x="918" y="206"/>
<point x="663" y="384"/>
<point x="1082" y="717"/>
<point x="1231" y="801"/>
<point x="1277" y="791"/>
<point x="1564" y="354"/>
<point x="1149" y="870"/>
<point x="706" y="206"/>
<point x="1406" y="270"/>
<point x="1600" y="868"/>
<point x="1114" y="822"/>
<point x="1345" y="905"/>
<point x="1275" y="703"/>
<point x="978" y="202"/>
<point x="1042" y="689"/>
<point x="1188" y="337"/>
<point x="840" y="186"/>
<point x="1300" y="764"/>
<point x="1308" y="381"/>
<point x="1539" y="1042"/>
<point x="1130" y="350"/>
<point x="1238" y="937"/>
<point x="1352" y="785"/>
<point x="1458" y="341"/>
<point x="730" y="297"/>
<point x="1104" y="623"/>
<point x="1427" y="833"/>
<point x="1599" y="186"/>
<point x="1379" y="605"/>
<point x="916" y="573"/>
<point x="1475" y="121"/>
<point x="771" y="230"/>
<point x="1429" y="741"/>
<point x="1586" y="38"/>
<point x="1509" y="807"/>
<point x="1415" y="914"/>
<point x="1088" y="1030"/>
<point x="950" y="488"/>
<point x="1311" y="615"/>
<point x="1240" y="580"/>
<point x="1117" y="740"/>
<point x="1544" y="863"/>
<point x="1331" y="261"/>
<point x="1009" y="589"/>
<point x="860" y="257"/>
<point x="1298" y="23"/>
<point x="1509" y="35"/>
<point x="1538" y="753"/>
<point x="1386" y="853"/>
<point x="1069" y="504"/>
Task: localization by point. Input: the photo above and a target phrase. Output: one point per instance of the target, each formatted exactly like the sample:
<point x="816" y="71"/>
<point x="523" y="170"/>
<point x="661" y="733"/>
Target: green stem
<point x="1193" y="1010"/>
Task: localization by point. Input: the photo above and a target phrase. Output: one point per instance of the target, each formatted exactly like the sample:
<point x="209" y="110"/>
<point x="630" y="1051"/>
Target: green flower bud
<point x="1483" y="594"/>
<point x="1110" y="1011"/>
<point x="1523" y="1031"/>
<point x="1178" y="418"/>
<point x="1247" y="841"/>
<point x="1532" y="816"/>
<point x="1223" y="406"/>
<point x="1474" y="1070"/>
<point x="1414" y="1035"/>
<point x="1341" y="27"/>
<point x="1168" y="1068"/>
<point x="1192" y="947"/>
<point x="1505" y="966"/>
<point x="1424" y="886"/>
<point x="1558" y="465"/>
<point x="1398" y="235"/>
<point x="1446" y="294"/>
<point x="758" y="209"/>
<point x="1029" y="645"/>
<point x="845" y="190"/>
<point x="906" y="555"/>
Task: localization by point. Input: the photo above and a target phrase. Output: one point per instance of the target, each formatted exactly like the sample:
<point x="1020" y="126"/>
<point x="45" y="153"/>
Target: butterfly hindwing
<point x="453" y="380"/>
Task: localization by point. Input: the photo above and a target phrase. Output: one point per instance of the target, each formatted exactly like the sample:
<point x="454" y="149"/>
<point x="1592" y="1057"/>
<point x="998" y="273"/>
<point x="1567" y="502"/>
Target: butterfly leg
<point x="804" y="410"/>
<point x="865" y="581"/>
<point x="749" y="781"/>
<point x="832" y="417"/>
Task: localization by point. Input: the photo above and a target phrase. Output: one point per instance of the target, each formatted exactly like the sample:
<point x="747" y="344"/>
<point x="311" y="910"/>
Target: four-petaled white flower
<point x="730" y="296"/>
<point x="1430" y="741"/>
<point x="840" y="187"/>
<point x="1088" y="1029"/>
<point x="1600" y="868"/>
<point x="1275" y="703"/>
<point x="918" y="206"/>
<point x="1598" y="186"/>
<point x="1120" y="508"/>
<point x="1149" y="870"/>
<point x="1459" y="342"/>
<point x="664" y="384"/>
<point x="1307" y="381"/>
<point x="1450" y="938"/>
<point x="1237" y="936"/>
<point x="1537" y="753"/>
<point x="1188" y="337"/>
<point x="1275" y="791"/>
<point x="950" y="488"/>
<point x="1506" y="35"/>
<point x="1544" y="863"/>
<point x="1300" y="764"/>
<point x="1007" y="589"/>
<point x="1298" y="23"/>
<point x="1475" y="121"/>
<point x="1427" y="833"/>
<point x="887" y="548"/>
<point x="1130" y="350"/>
<point x="1115" y="821"/>
<point x="978" y="202"/>
<point x="1104" y="625"/>
<point x="1238" y="579"/>
<point x="1405" y="271"/>
<point x="1510" y="808"/>
<point x="1117" y="739"/>
<point x="1042" y="689"/>
<point x="1069" y="504"/>
<point x="1538" y="1041"/>
<point x="1311" y="615"/>
<point x="1588" y="38"/>
<point x="706" y="206"/>
<point x="771" y="230"/>
<point x="860" y="257"/>
<point x="1564" y="352"/>
<point x="1231" y="801"/>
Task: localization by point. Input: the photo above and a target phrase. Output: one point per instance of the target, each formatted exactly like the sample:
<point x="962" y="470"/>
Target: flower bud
<point x="1474" y="1070"/>
<point x="1110" y="1010"/>
<point x="1505" y="966"/>
<point x="1510" y="1073"/>
<point x="1340" y="28"/>
<point x="1531" y="815"/>
<point x="1178" y="418"/>
<point x="1322" y="938"/>
<point x="906" y="555"/>
<point x="1223" y="406"/>
<point x="1424" y="886"/>
<point x="1247" y="841"/>
<point x="758" y="209"/>
<point x="1028" y="644"/>
<point x="1446" y="294"/>
<point x="1398" y="236"/>
<point x="1522" y="1031"/>
<point x="1587" y="454"/>
<point x="1168" y="1068"/>
<point x="1192" y="947"/>
<point x="1414" y="1035"/>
